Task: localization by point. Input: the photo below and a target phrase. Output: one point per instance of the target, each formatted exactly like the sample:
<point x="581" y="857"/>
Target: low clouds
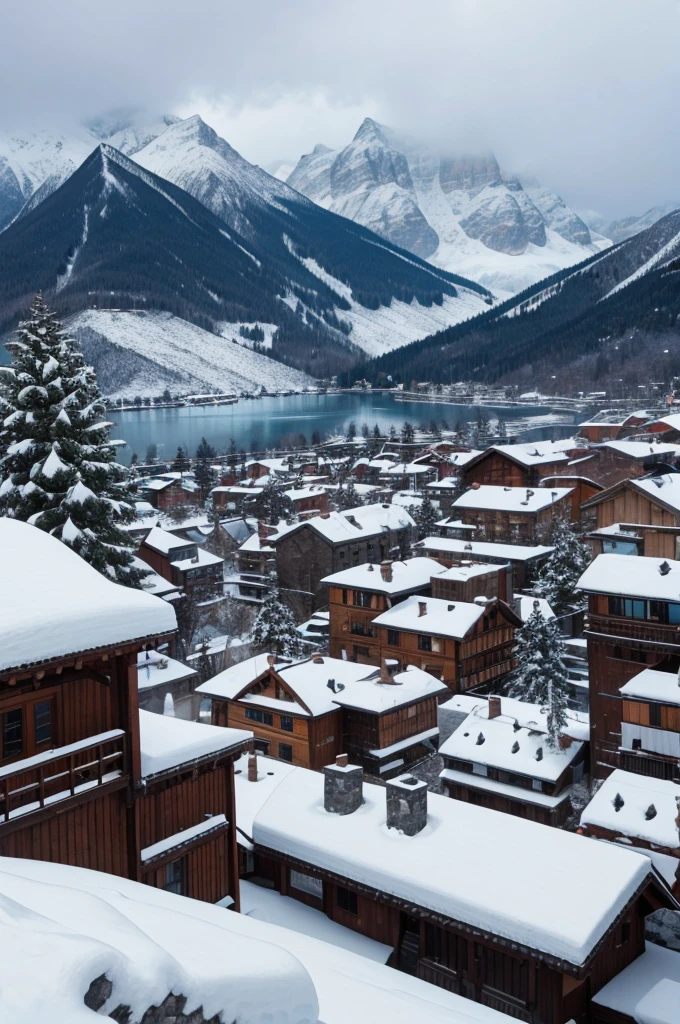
<point x="583" y="94"/>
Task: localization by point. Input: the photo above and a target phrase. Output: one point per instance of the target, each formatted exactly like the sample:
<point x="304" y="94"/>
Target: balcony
<point x="633" y="629"/>
<point x="39" y="782"/>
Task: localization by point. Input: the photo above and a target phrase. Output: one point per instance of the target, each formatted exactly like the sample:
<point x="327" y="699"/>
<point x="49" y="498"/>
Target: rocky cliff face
<point x="458" y="211"/>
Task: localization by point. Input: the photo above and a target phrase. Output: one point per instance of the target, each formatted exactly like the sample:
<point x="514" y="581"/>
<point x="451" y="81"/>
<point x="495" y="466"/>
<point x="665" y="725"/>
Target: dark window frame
<point x="346" y="900"/>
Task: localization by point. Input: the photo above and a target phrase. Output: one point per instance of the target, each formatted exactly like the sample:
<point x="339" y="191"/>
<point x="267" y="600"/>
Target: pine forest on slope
<point x="615" y="308"/>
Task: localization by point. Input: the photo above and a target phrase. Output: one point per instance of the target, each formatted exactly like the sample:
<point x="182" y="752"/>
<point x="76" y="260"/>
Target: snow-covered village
<point x="340" y="513"/>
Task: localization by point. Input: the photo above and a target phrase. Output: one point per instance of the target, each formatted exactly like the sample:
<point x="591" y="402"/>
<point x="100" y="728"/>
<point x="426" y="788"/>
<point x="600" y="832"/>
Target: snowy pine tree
<point x="57" y="462"/>
<point x="557" y="710"/>
<point x="272" y="504"/>
<point x="204" y="474"/>
<point x="346" y="497"/>
<point x="274" y="630"/>
<point x="426" y="516"/>
<point x="560" y="574"/>
<point x="540" y="676"/>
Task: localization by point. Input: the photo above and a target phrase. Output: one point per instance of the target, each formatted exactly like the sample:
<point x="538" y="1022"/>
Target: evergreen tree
<point x="407" y="433"/>
<point x="376" y="432"/>
<point x="347" y="497"/>
<point x="540" y="676"/>
<point x="560" y="574"/>
<point x="204" y="474"/>
<point x="426" y="516"/>
<point x="557" y="711"/>
<point x="351" y="431"/>
<point x="181" y="462"/>
<point x="204" y="665"/>
<point x="272" y="504"/>
<point x="151" y="453"/>
<point x="57" y="462"/>
<point x="274" y="630"/>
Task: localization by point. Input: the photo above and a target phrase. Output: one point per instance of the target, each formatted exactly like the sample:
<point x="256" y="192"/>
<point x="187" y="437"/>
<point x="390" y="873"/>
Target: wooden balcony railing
<point x="37" y="782"/>
<point x="633" y="629"/>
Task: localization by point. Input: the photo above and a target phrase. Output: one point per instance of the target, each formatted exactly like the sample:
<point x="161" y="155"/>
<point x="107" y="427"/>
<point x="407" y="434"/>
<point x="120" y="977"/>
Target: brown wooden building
<point x="170" y="490"/>
<point x="650" y="501"/>
<point x="500" y="757"/>
<point x="514" y="465"/>
<point x="181" y="561"/>
<point x="358" y="594"/>
<point x="85" y="777"/>
<point x="513" y="514"/>
<point x="524" y="560"/>
<point x="308" y="711"/>
<point x="454" y="911"/>
<point x="309" y="551"/>
<point x="464" y="645"/>
<point x="633" y="622"/>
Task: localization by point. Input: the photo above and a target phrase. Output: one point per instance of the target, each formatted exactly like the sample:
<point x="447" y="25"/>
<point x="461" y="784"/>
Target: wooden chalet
<point x="307" y="711"/>
<point x="516" y="465"/>
<point x="170" y="490"/>
<point x="640" y="811"/>
<point x="645" y="992"/>
<point x="665" y="428"/>
<point x="500" y="757"/>
<point x="358" y="594"/>
<point x="652" y="501"/>
<point x="608" y="427"/>
<point x="180" y="561"/>
<point x="307" y="552"/>
<point x="633" y="625"/>
<point x="454" y="911"/>
<point x="469" y="580"/>
<point x="464" y="644"/>
<point x="525" y="560"/>
<point x="513" y="514"/>
<point x="86" y="778"/>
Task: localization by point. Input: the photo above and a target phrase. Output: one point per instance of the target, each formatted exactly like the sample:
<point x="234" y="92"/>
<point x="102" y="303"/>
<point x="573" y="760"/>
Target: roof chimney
<point x="406" y="804"/>
<point x="494" y="707"/>
<point x="271" y="660"/>
<point x="422" y="608"/>
<point x="342" y="786"/>
<point x="252" y="767"/>
<point x="386" y="571"/>
<point x="385" y="676"/>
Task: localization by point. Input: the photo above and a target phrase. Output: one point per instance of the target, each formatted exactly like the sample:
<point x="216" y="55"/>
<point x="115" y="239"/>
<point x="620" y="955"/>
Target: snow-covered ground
<point x="183" y="356"/>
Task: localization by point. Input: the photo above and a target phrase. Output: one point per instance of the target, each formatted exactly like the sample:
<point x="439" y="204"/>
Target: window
<point x="13" y="732"/>
<point x="655" y="715"/>
<point x="624" y="933"/>
<point x="42" y="722"/>
<point x="537" y="785"/>
<point x="306" y="883"/>
<point x="285" y="752"/>
<point x="346" y="900"/>
<point x="393" y="637"/>
<point x="344" y="596"/>
<point x="412" y="711"/>
<point x="263" y="717"/>
<point x="262" y="746"/>
<point x="628" y="607"/>
<point x="286" y="723"/>
<point x="174" y="877"/>
<point x="361" y="598"/>
<point x="424" y="643"/>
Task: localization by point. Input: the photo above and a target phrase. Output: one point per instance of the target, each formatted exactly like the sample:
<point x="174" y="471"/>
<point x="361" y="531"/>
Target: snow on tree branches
<point x="560" y="574"/>
<point x="274" y="630"/>
<point x="57" y="462"/>
<point x="540" y="676"/>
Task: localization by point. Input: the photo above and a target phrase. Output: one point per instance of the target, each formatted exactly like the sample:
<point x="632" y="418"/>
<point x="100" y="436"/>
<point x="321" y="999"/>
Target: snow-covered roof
<point x="483" y="549"/>
<point x="74" y="926"/>
<point x="665" y="488"/>
<point x="639" y="793"/>
<point x="462" y="458"/>
<point x="168" y="742"/>
<point x="411" y="574"/>
<point x="354" y="685"/>
<point x="524" y="605"/>
<point x="441" y="618"/>
<point x="512" y="499"/>
<point x="155" y="669"/>
<point x="641" y="449"/>
<point x="453" y="867"/>
<point x="250" y="796"/>
<point x="464" y="703"/>
<point x="648" y="990"/>
<point x="201" y="558"/>
<point x="354" y="523"/>
<point x="163" y="541"/>
<point x="537" y="453"/>
<point x="56" y="604"/>
<point x="463" y="573"/>
<point x="193" y="947"/>
<point x="652" y="684"/>
<point x="672" y="421"/>
<point x="255" y="544"/>
<point x="524" y="750"/>
<point x="617" y="574"/>
<point x="407" y="499"/>
<point x="409" y="469"/>
<point x="449" y="523"/>
<point x="153" y="582"/>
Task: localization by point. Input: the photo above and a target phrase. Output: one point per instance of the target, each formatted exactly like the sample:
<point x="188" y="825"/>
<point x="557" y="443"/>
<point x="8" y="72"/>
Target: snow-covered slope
<point x="140" y="353"/>
<point x="461" y="213"/>
<point x="626" y="227"/>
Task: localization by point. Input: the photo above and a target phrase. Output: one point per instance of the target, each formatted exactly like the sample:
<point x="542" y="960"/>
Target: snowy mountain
<point x="619" y="308"/>
<point x="142" y="353"/>
<point x="281" y="169"/>
<point x="34" y="164"/>
<point x="626" y="227"/>
<point x="460" y="213"/>
<point x="116" y="235"/>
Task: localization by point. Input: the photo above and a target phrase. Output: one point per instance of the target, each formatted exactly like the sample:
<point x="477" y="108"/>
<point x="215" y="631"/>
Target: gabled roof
<point x="632" y="576"/>
<point x="653" y="684"/>
<point x="163" y="542"/>
<point x="54" y="604"/>
<point x="533" y="454"/>
<point x="623" y="802"/>
<point x="441" y="618"/>
<point x="484" y="549"/>
<point x="511" y="499"/>
<point x="167" y="742"/>
<point x="352" y="524"/>
<point x="411" y="574"/>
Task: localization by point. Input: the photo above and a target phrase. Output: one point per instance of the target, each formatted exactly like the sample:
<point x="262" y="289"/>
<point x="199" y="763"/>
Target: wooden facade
<point x="497" y="525"/>
<point x="71" y="785"/>
<point x="626" y="503"/>
<point x="498" y="467"/>
<point x="521" y="982"/>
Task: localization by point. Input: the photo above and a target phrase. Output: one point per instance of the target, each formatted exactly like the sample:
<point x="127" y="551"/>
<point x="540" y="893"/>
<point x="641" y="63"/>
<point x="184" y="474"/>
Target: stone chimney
<point x="385" y="676"/>
<point x="494" y="707"/>
<point x="261" y="531"/>
<point x="422" y="609"/>
<point x="386" y="571"/>
<point x="252" y="767"/>
<point x="342" y="786"/>
<point x="271" y="660"/>
<point x="406" y="804"/>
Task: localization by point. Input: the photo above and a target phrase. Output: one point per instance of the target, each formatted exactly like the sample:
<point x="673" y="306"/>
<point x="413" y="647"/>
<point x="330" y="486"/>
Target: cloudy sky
<point x="581" y="93"/>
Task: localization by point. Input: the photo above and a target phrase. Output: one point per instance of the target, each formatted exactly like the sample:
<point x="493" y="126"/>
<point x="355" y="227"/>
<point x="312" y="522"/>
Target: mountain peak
<point x="320" y="149"/>
<point x="370" y="131"/>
